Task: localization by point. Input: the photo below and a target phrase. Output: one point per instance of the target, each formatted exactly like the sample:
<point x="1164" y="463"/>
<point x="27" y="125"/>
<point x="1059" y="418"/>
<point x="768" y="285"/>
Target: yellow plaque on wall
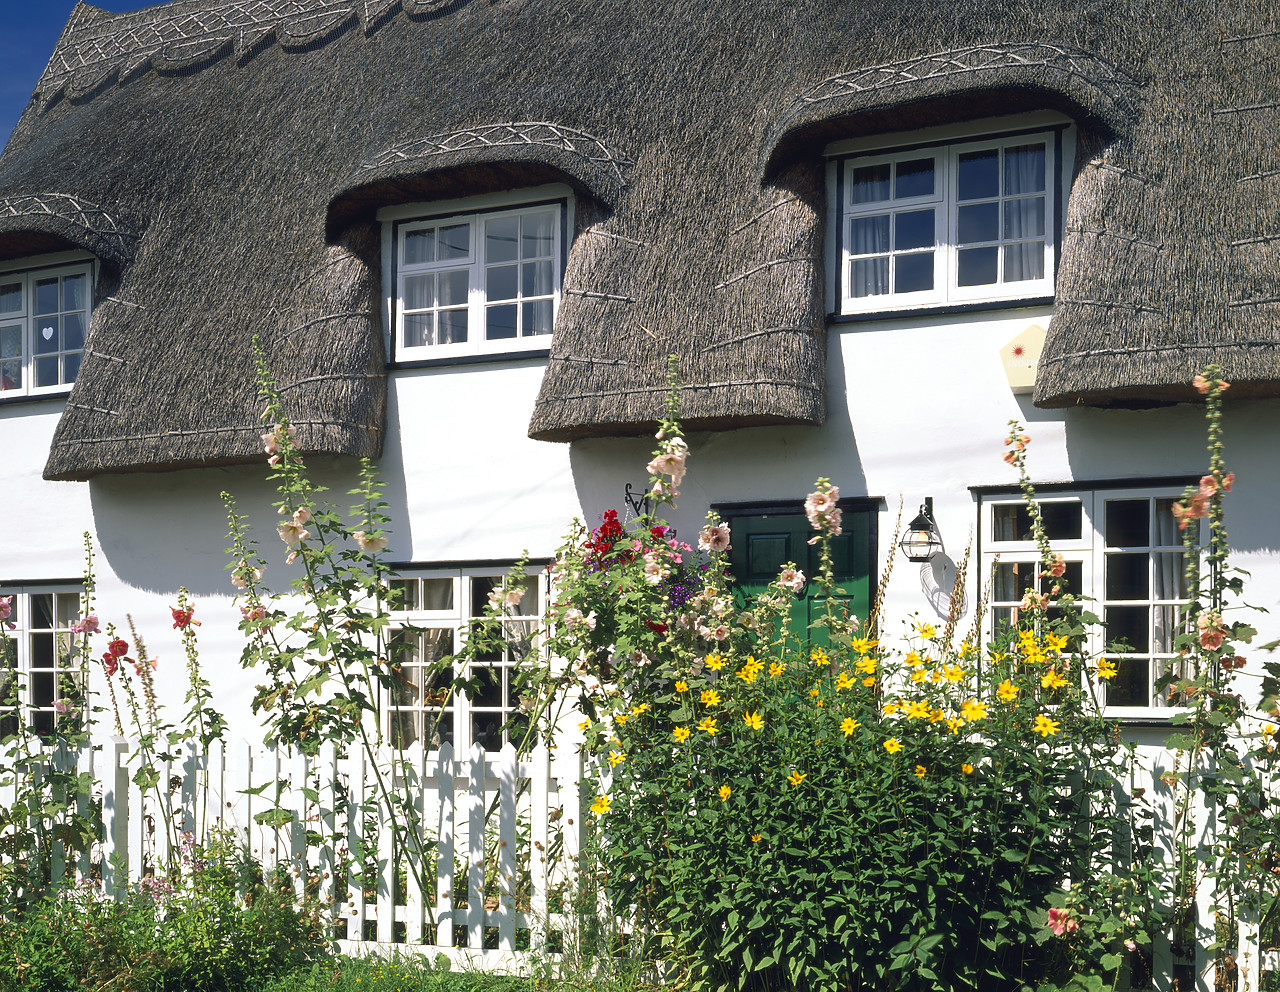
<point x="1020" y="356"/>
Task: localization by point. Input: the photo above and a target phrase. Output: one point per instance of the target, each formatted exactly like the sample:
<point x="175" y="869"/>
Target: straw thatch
<point x="226" y="158"/>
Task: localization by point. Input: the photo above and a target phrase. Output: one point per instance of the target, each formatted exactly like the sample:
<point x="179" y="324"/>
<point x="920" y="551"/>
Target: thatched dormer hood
<point x="225" y="158"/>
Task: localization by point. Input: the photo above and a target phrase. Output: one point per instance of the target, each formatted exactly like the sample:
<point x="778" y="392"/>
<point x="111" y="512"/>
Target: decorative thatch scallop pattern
<point x="254" y="140"/>
<point x="28" y="217"/>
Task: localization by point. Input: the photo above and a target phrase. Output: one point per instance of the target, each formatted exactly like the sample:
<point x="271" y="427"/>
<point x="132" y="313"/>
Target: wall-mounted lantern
<point x="922" y="540"/>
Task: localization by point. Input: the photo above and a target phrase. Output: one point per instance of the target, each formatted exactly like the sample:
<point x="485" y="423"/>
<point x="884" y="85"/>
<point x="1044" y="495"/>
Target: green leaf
<point x="276" y="818"/>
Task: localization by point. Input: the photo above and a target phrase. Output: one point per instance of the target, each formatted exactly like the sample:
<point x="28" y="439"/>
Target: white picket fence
<point x="488" y="826"/>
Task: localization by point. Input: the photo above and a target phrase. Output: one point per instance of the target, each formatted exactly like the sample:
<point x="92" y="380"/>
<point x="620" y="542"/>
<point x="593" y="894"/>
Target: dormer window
<point x="947" y="222"/>
<point x="483" y="282"/>
<point x="44" y="321"/>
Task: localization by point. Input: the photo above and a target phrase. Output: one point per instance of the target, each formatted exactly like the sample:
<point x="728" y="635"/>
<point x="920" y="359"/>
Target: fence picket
<point x="506" y="853"/>
<point x="475" y="847"/>
<point x="355" y="828"/>
<point x="539" y="830"/>
<point x="445" y="846"/>
<point x="413" y="765"/>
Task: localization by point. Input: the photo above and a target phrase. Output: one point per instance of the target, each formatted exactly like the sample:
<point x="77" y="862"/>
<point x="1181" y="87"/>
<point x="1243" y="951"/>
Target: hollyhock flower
<point x="1033" y="600"/>
<point x="1212" y="631"/>
<point x="1130" y="944"/>
<point x="1061" y="921"/>
<point x="670" y="460"/>
<point x="1057" y="566"/>
<point x="654" y="570"/>
<point x="301" y="515"/>
<point x="720" y="633"/>
<point x="291" y="558"/>
<point x="817" y="506"/>
<point x="89" y="625"/>
<point x="62" y="706"/>
<point x="6" y="611"/>
<point x="183" y="618"/>
<point x="791" y="578"/>
<point x="368" y="543"/>
<point x="240" y="577"/>
<point x="118" y="648"/>
<point x="110" y="664"/>
<point x="1208" y="485"/>
<point x="513" y="596"/>
<point x="1011" y="457"/>
<point x="1228" y="481"/>
<point x="293" y="533"/>
<point x="137" y="666"/>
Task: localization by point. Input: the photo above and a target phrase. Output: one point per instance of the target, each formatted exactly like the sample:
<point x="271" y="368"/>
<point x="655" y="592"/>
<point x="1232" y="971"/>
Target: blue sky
<point x="28" y="31"/>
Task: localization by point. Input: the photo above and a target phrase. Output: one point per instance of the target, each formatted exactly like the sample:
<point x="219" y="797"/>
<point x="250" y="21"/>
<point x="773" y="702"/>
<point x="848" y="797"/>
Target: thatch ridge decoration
<point x="70" y="218"/>
<point x="1095" y="89"/>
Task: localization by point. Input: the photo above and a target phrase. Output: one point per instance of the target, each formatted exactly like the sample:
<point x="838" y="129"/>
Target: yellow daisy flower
<point x="967" y="768"/>
<point x="927" y="630"/>
<point x="753" y="720"/>
<point x="724" y="791"/>
<point x="681" y="734"/>
<point x="1044" y="726"/>
<point x="1052" y="680"/>
<point x="601" y="805"/>
<point x="710" y="697"/>
<point x="682" y="686"/>
<point x="921" y="771"/>
<point x="708" y="726"/>
<point x="869" y="680"/>
<point x="795" y="778"/>
<point x="755" y="838"/>
<point x="776" y="669"/>
<point x="893" y="745"/>
<point x="616" y="758"/>
<point x="714" y="662"/>
<point x="849" y="725"/>
<point x="1007" y="691"/>
<point x="972" y="711"/>
<point x="819" y="657"/>
<point x="1107" y="669"/>
<point x="917" y="709"/>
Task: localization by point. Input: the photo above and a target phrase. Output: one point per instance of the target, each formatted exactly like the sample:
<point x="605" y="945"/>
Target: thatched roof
<point x="225" y="159"/>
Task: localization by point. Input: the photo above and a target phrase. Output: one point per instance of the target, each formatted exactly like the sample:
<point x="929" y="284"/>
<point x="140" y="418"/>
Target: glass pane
<point x="1169" y="577"/>
<point x="976" y="266"/>
<point x="979" y="176"/>
<point x="913" y="229"/>
<point x="1128" y="628"/>
<point x="41" y="611"/>
<point x="527" y="606"/>
<point x="41" y="651"/>
<point x="73" y="332"/>
<point x="1062" y="521"/>
<point x="419" y="291"/>
<point x="74" y="296"/>
<point x="1127" y="523"/>
<point x="868" y="235"/>
<point x="1129" y="687"/>
<point x="1127" y="576"/>
<point x="1167" y="627"/>
<point x="869" y="277"/>
<point x="453" y="287"/>
<point x="10" y="297"/>
<point x="11" y="341"/>
<point x="500" y="239"/>
<point x="500" y="321"/>
<point x="915" y="178"/>
<point x="1001" y="619"/>
<point x="978" y="222"/>
<point x="537" y="278"/>
<point x="418" y="330"/>
<point x="487" y="730"/>
<point x="403" y="594"/>
<point x="70" y="366"/>
<point x="1167" y="533"/>
<point x="1024" y="169"/>
<point x="455" y="242"/>
<point x="501" y="282"/>
<point x="1024" y="218"/>
<point x="871" y="183"/>
<point x="47" y="335"/>
<point x="537" y="236"/>
<point x="10" y="375"/>
<point x="913" y="273"/>
<point x="47" y="296"/>
<point x="420" y="246"/>
<point x="47" y="371"/>
<point x="1013" y="579"/>
<point x="481" y="586"/>
<point x="1024" y="261"/>
<point x="1070" y="581"/>
<point x="488" y="681"/>
<point x="537" y="317"/>
<point x="452" y="326"/>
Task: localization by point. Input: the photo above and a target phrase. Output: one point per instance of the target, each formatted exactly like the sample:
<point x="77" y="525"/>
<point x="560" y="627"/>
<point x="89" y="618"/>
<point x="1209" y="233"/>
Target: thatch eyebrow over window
<point x="39" y="223"/>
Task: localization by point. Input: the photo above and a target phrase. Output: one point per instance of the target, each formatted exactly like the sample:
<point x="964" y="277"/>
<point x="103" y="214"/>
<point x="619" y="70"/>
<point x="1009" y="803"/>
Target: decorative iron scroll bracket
<point x="638" y="501"/>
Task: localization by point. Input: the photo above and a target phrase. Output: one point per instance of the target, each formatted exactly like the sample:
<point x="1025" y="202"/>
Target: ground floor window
<point x="433" y="609"/>
<point x="1124" y="552"/>
<point x="764" y="536"/>
<point x="40" y="677"/>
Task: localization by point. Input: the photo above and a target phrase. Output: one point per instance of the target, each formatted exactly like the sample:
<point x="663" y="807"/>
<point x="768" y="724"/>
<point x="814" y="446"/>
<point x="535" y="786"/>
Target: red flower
<point x="110" y="664"/>
<point x="657" y="628"/>
<point x="182" y="618"/>
<point x="119" y="648"/>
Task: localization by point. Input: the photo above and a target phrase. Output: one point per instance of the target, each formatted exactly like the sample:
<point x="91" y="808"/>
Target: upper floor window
<point x="1123" y="551"/>
<point x="481" y="282"/>
<point x="948" y="222"/>
<point x="44" y="320"/>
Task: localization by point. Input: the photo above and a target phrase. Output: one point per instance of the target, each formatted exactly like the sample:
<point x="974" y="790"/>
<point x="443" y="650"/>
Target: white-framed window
<point x="480" y="280"/>
<point x="1124" y="552"/>
<point x="434" y="609"/>
<point x="44" y="321"/>
<point x="39" y="672"/>
<point x="943" y="220"/>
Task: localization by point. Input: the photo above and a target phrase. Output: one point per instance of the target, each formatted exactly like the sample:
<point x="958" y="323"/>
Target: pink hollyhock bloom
<point x="1208" y="485"/>
<point x="1033" y="600"/>
<point x="513" y="596"/>
<point x="291" y="558"/>
<point x="6" y="611"/>
<point x="240" y="577"/>
<point x="720" y="633"/>
<point x="1228" y="481"/>
<point x="816" y="506"/>
<point x="1011" y="457"/>
<point x="62" y="706"/>
<point x="654" y="572"/>
<point x="1212" y="631"/>
<point x="1201" y="383"/>
<point x="110" y="664"/>
<point x="791" y="578"/>
<point x="369" y="543"/>
<point x="183" y="618"/>
<point x="301" y="516"/>
<point x="670" y="460"/>
<point x="1062" y="922"/>
<point x="89" y="625"/>
<point x="270" y="443"/>
<point x="1130" y="944"/>
<point x="293" y="533"/>
<point x="1057" y="566"/>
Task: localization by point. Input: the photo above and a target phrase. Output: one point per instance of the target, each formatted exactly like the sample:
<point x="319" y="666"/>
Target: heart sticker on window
<point x="47" y="332"/>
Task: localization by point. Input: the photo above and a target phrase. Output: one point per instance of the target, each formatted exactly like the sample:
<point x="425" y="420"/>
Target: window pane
<point x="915" y="178"/>
<point x="501" y="282"/>
<point x="47" y="335"/>
<point x="1013" y="579"/>
<point x="1024" y="218"/>
<point x="1126" y="523"/>
<point x="500" y="239"/>
<point x="1024" y="261"/>
<point x="453" y="287"/>
<point x="74" y="296"/>
<point x="47" y="296"/>
<point x="47" y="371"/>
<point x="979" y="176"/>
<point x="437" y="594"/>
<point x="538" y="236"/>
<point x="537" y="317"/>
<point x="419" y="291"/>
<point x="913" y="273"/>
<point x="1167" y="532"/>
<point x="1024" y="169"/>
<point x="73" y="332"/>
<point x="868" y="235"/>
<point x="418" y="330"/>
<point x="10" y="375"/>
<point x="455" y="242"/>
<point x="537" y="278"/>
<point x="420" y="246"/>
<point x="1062" y="521"/>
<point x="976" y="266"/>
<point x="1070" y="581"/>
<point x="403" y="594"/>
<point x="10" y="297"/>
<point x="1167" y="627"/>
<point x="871" y="183"/>
<point x="11" y="341"/>
<point x="978" y="222"/>
<point x="1127" y="576"/>
<point x="452" y="326"/>
<point x="1129" y="687"/>
<point x="869" y="277"/>
<point x="913" y="229"/>
<point x="70" y="366"/>
<point x="1169" y="577"/>
<point x="500" y="322"/>
<point x="1128" y="628"/>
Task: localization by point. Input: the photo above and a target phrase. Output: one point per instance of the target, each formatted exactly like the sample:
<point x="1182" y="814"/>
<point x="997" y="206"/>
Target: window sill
<point x="941" y="309"/>
<point x="35" y="398"/>
<point x="482" y="359"/>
